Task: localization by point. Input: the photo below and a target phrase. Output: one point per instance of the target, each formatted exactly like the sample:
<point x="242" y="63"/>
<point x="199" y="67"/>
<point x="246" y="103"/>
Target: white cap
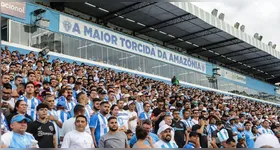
<point x="130" y="102"/>
<point x="140" y="94"/>
<point x="267" y="140"/>
<point x="163" y="128"/>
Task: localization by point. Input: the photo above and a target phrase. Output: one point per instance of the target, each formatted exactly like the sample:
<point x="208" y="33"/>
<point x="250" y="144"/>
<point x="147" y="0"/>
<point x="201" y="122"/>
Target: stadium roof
<point x="194" y="30"/>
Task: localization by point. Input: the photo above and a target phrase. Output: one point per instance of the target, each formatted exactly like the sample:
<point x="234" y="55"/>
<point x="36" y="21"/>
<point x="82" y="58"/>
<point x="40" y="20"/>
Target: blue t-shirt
<point x="249" y="139"/>
<point x="189" y="145"/>
<point x="133" y="140"/>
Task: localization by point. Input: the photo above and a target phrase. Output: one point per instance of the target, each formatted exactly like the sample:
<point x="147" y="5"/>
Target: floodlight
<point x="236" y="25"/>
<point x="242" y="28"/>
<point x="260" y="38"/>
<point x="256" y="35"/>
<point x="274" y="46"/>
<point x="270" y="43"/>
<point x="214" y="12"/>
<point x="222" y="16"/>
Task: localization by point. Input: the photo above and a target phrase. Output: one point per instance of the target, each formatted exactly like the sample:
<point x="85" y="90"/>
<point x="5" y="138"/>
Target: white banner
<point x="107" y="37"/>
<point x="232" y="76"/>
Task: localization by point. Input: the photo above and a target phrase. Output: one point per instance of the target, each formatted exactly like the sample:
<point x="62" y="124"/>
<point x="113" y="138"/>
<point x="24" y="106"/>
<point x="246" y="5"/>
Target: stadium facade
<point x="74" y="39"/>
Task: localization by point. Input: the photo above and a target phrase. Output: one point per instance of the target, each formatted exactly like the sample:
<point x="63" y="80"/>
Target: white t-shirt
<point x="76" y="139"/>
<point x="133" y="123"/>
<point x="69" y="125"/>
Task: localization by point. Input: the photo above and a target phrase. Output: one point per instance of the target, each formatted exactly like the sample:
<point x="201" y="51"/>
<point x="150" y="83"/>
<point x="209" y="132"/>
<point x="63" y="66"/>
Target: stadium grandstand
<point x="133" y="75"/>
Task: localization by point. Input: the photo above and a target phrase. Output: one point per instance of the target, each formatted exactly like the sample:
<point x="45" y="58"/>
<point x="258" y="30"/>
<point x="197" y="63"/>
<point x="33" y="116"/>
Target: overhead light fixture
<point x="236" y="25"/>
<point x="89" y="4"/>
<point x="214" y="12"/>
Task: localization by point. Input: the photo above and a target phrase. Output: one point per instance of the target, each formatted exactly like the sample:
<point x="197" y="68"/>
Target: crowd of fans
<point x="50" y="104"/>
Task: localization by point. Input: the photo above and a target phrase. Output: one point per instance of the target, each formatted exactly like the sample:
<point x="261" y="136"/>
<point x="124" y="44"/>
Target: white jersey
<point x="76" y="139"/>
<point x="265" y="131"/>
<point x="162" y="144"/>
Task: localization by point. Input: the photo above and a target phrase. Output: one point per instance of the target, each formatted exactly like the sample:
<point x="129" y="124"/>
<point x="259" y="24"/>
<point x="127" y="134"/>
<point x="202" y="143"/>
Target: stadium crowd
<point x="51" y="104"/>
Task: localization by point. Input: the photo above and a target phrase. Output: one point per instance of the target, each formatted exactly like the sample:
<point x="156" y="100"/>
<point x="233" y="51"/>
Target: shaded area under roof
<point x="174" y="26"/>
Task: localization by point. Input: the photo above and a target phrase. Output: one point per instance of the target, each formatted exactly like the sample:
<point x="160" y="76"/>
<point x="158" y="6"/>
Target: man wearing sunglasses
<point x="18" y="138"/>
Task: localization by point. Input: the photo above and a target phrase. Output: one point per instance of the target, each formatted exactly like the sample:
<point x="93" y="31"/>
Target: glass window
<point x="15" y="32"/>
<point x="83" y="48"/>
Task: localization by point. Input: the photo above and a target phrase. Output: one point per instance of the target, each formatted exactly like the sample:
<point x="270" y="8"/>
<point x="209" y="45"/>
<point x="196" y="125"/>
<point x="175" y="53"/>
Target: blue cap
<point x="19" y="118"/>
<point x="240" y="136"/>
<point x="61" y="103"/>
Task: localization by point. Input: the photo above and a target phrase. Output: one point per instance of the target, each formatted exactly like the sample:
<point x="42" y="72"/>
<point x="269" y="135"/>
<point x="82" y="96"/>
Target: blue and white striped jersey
<point x="99" y="122"/>
<point x="162" y="144"/>
<point x="4" y="123"/>
<point x="189" y="123"/>
<point x="63" y="115"/>
<point x="31" y="106"/>
<point x="144" y="116"/>
<point x="263" y="130"/>
<point x="139" y="107"/>
<point x="211" y="128"/>
<point x="222" y="135"/>
<point x="57" y="129"/>
<point x="15" y="140"/>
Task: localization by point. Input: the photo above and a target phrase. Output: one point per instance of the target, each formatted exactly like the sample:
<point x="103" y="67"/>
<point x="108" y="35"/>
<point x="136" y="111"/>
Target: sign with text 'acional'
<point x="107" y="37"/>
<point x="232" y="76"/>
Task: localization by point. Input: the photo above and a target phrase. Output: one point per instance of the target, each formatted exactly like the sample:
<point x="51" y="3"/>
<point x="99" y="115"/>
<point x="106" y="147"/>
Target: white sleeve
<point x="6" y="139"/>
<point x="66" y="141"/>
<point x="63" y="129"/>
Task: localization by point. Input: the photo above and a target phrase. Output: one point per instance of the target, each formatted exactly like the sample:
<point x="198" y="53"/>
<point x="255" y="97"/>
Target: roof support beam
<point x="274" y="64"/>
<point x="237" y="53"/>
<point x="263" y="58"/>
<point x="195" y="35"/>
<point x="224" y="43"/>
<point x="126" y="10"/>
<point x="167" y="23"/>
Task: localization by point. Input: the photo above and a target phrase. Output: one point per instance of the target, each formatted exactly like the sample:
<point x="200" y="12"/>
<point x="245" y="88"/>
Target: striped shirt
<point x="99" y="122"/>
<point x="189" y="123"/>
<point x="211" y="128"/>
<point x="63" y="115"/>
<point x="4" y="123"/>
<point x="139" y="107"/>
<point x="31" y="105"/>
<point x="162" y="144"/>
<point x="222" y="135"/>
<point x="57" y="129"/>
<point x="265" y="131"/>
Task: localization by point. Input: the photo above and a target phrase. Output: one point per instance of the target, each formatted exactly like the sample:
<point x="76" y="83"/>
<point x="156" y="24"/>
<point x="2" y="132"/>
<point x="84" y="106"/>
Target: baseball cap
<point x="130" y="102"/>
<point x="19" y="118"/>
<point x="140" y="94"/>
<point x="163" y="128"/>
<point x="61" y="103"/>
